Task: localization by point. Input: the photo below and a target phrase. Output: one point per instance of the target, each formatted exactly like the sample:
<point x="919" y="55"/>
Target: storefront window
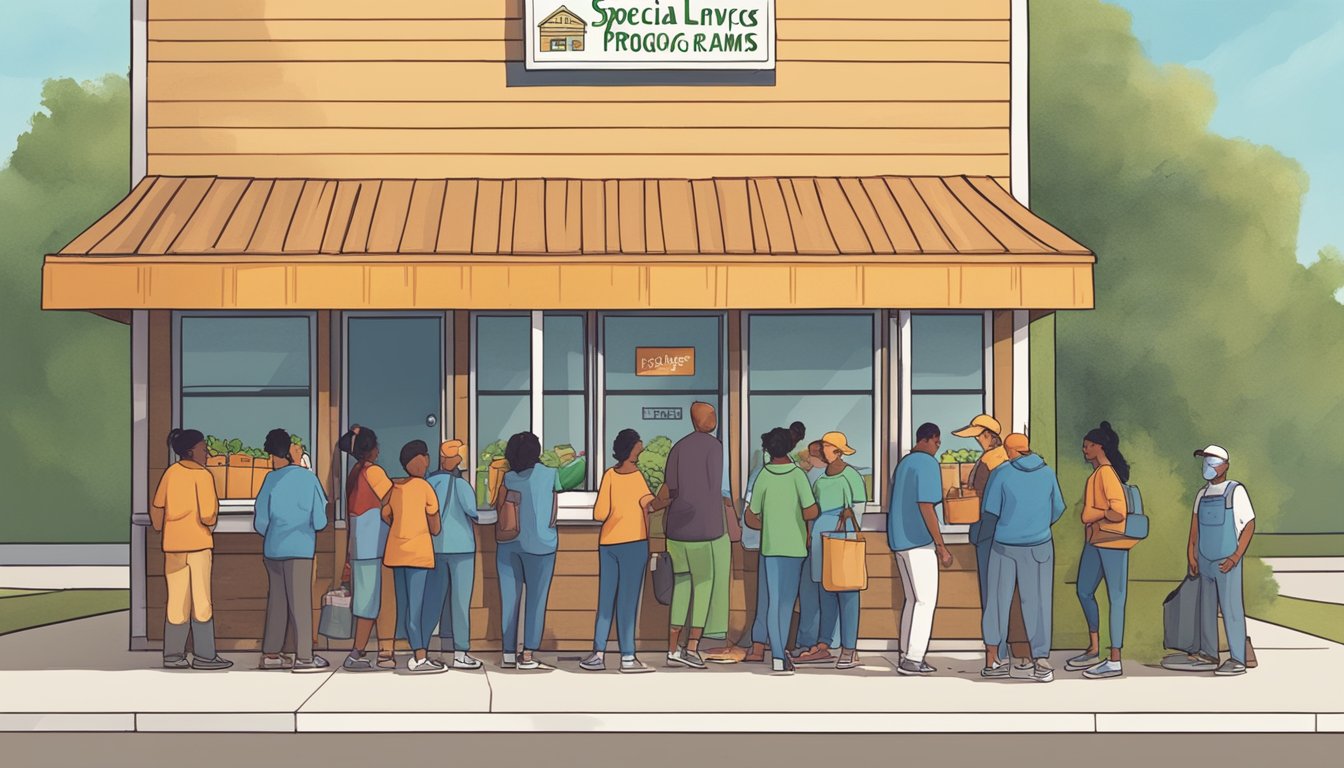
<point x="817" y="369"/>
<point x="503" y="349"/>
<point x="947" y="373"/>
<point x="655" y="367"/>
<point x="239" y="378"/>
<point x="564" y="398"/>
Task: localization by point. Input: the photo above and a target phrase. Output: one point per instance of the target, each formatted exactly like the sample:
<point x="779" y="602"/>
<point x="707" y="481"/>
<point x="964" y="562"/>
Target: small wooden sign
<point x="664" y="361"/>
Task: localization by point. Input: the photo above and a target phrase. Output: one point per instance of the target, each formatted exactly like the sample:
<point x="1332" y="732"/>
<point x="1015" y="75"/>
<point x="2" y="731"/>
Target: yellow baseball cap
<point x="983" y="422"/>
<point x="1017" y="443"/>
<point x="451" y="448"/>
<point x="839" y="440"/>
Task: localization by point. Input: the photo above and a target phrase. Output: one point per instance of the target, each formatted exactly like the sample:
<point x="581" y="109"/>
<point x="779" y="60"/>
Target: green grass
<point x="22" y="612"/>
<point x="1320" y="619"/>
<point x="20" y="592"/>
<point x="1298" y="545"/>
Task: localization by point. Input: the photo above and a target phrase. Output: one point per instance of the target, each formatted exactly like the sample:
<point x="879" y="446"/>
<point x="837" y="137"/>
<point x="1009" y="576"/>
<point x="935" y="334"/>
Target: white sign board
<point x="650" y="34"/>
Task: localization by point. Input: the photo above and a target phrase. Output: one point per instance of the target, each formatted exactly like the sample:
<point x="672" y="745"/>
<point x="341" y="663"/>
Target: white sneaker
<point x="1043" y="672"/>
<point x="1104" y="670"/>
<point x="594" y="662"/>
<point x="427" y="666"/>
<point x="464" y="660"/>
<point x="781" y="667"/>
<point x="278" y="662"/>
<point x="634" y="666"/>
<point x="531" y="663"/>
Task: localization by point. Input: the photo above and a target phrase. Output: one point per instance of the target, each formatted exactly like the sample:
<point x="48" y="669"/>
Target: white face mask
<point x="1211" y="466"/>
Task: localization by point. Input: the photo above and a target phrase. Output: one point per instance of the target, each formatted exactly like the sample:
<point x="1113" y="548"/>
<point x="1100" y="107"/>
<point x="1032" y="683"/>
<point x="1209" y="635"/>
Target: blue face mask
<point x="1211" y="466"/>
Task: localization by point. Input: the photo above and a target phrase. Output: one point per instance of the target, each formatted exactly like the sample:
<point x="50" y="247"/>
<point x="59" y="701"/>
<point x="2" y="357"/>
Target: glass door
<point x="394" y="379"/>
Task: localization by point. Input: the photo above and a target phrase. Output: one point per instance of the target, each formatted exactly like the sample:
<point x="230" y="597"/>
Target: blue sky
<point x="1274" y="63"/>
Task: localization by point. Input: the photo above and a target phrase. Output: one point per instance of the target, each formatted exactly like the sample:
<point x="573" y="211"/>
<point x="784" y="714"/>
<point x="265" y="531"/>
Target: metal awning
<point x="952" y="242"/>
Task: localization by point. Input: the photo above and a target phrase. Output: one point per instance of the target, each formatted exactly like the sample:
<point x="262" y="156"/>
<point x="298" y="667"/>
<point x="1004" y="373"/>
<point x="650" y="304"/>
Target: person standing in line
<point x="1220" y="533"/>
<point x="808" y="648"/>
<point x="184" y="510"/>
<point x="782" y="503"/>
<point x="840" y="488"/>
<point x="692" y="493"/>
<point x="1104" y="501"/>
<point x="1025" y="498"/>
<point x="987" y="432"/>
<point x="448" y="590"/>
<point x="291" y="508"/>
<point x="917" y="544"/>
<point x="756" y="642"/>
<point x="412" y="517"/>
<point x="623" y="505"/>
<point x="527" y="563"/>
<point x="372" y="589"/>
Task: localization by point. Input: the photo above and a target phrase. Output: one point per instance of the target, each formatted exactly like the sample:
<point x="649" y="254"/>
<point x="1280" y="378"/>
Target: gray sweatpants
<point x="289" y="599"/>
<point x="1032" y="570"/>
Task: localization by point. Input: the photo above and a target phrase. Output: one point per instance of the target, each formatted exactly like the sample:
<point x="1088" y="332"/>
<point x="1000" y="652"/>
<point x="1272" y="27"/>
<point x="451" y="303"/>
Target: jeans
<point x="410" y="585"/>
<point x="1017" y="633"/>
<point x="519" y="570"/>
<point x="919" y="578"/>
<point x="757" y="632"/>
<point x="289" y="599"/>
<point x="839" y="619"/>
<point x="1227" y="587"/>
<point x="620" y="581"/>
<point x="809" y="608"/>
<point x="1099" y="563"/>
<point x="448" y="599"/>
<point x="782" y="575"/>
<point x="1031" y="569"/>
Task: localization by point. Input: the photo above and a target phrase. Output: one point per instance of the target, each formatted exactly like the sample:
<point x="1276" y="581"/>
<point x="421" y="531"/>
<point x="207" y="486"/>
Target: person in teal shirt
<point x="448" y="589"/>
<point x="781" y="504"/>
<point x="841" y="487"/>
<point x="527" y="563"/>
<point x="917" y="543"/>
<point x="290" y="509"/>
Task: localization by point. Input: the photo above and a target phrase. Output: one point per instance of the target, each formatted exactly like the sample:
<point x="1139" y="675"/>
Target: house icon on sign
<point x="562" y="31"/>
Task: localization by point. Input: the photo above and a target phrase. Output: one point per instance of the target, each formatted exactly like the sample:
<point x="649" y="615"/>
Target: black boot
<point x="203" y="643"/>
<point x="175" y="645"/>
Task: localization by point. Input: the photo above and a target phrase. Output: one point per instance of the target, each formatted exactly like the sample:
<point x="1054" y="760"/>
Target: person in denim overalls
<point x="1220" y="533"/>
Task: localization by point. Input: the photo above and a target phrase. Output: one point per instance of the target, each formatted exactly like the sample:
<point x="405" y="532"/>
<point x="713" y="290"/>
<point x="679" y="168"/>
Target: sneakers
<point x="782" y="667"/>
<point x="593" y="662"/>
<point x="176" y="662"/>
<point x="910" y="667"/>
<point x="1182" y="662"/>
<point x="278" y="661"/>
<point x="1042" y="672"/>
<point x="1230" y="668"/>
<point x="1082" y="661"/>
<point x="425" y="666"/>
<point x="315" y="664"/>
<point x="216" y="663"/>
<point x="1000" y="669"/>
<point x="633" y="666"/>
<point x="685" y="658"/>
<point x="464" y="660"/>
<point x="358" y="663"/>
<point x="1103" y="670"/>
<point x="531" y="663"/>
<point x="847" y="660"/>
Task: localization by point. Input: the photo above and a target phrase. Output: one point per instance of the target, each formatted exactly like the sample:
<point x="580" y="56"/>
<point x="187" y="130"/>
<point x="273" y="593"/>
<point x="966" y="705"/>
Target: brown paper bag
<point x="961" y="507"/>
<point x="844" y="558"/>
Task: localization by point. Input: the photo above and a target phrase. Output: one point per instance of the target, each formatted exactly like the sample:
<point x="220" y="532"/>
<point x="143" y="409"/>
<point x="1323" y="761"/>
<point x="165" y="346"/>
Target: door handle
<point x="431" y="421"/>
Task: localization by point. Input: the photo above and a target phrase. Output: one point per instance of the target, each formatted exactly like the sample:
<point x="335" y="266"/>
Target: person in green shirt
<point x="781" y="504"/>
<point x="839" y="489"/>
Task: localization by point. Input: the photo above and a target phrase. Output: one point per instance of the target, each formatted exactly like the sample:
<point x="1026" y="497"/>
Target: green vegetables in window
<point x="960" y="456"/>
<point x="652" y="462"/>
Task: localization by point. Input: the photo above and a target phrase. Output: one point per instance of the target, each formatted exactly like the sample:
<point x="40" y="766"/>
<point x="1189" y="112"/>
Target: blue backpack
<point x="1136" y="523"/>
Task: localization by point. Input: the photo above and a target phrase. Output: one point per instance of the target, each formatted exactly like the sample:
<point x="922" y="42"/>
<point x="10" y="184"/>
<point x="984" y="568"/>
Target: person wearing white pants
<point x="914" y="536"/>
<point x="919" y="578"/>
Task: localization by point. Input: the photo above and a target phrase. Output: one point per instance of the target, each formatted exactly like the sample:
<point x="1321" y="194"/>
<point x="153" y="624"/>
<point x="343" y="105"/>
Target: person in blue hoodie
<point x="1024" y="497"/>
<point x="448" y="590"/>
<point x="291" y="508"/>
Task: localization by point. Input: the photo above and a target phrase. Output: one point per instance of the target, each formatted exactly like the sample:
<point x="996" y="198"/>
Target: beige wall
<point x="418" y="88"/>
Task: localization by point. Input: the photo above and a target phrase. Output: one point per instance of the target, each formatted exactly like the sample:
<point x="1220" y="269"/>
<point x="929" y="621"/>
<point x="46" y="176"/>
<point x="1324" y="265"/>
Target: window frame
<point x="244" y="506"/>
<point x="903" y="427"/>
<point x="878" y="446"/>
<point x="473" y="415"/>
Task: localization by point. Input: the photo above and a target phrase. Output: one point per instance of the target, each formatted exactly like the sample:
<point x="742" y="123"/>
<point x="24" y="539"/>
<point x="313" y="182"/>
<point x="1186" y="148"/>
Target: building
<point x="563" y="30"/>
<point x="322" y="232"/>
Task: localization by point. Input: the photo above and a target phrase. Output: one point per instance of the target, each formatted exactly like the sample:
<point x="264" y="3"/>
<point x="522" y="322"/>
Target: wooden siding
<point x="414" y="88"/>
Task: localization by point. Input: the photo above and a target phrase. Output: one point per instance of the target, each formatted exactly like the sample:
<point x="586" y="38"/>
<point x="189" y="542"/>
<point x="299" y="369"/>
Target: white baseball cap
<point x="1216" y="451"/>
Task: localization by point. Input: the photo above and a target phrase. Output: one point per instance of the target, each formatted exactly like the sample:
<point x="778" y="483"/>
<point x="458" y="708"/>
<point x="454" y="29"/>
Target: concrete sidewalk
<point x="71" y="677"/>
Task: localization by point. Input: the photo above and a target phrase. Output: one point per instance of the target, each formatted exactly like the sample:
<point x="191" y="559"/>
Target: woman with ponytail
<point x="184" y="511"/>
<point x="1104" y="501"/>
<point x="373" y="599"/>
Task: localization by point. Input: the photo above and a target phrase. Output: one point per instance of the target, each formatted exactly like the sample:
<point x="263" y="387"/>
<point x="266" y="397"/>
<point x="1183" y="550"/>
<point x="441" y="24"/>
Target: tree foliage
<point x="65" y="377"/>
